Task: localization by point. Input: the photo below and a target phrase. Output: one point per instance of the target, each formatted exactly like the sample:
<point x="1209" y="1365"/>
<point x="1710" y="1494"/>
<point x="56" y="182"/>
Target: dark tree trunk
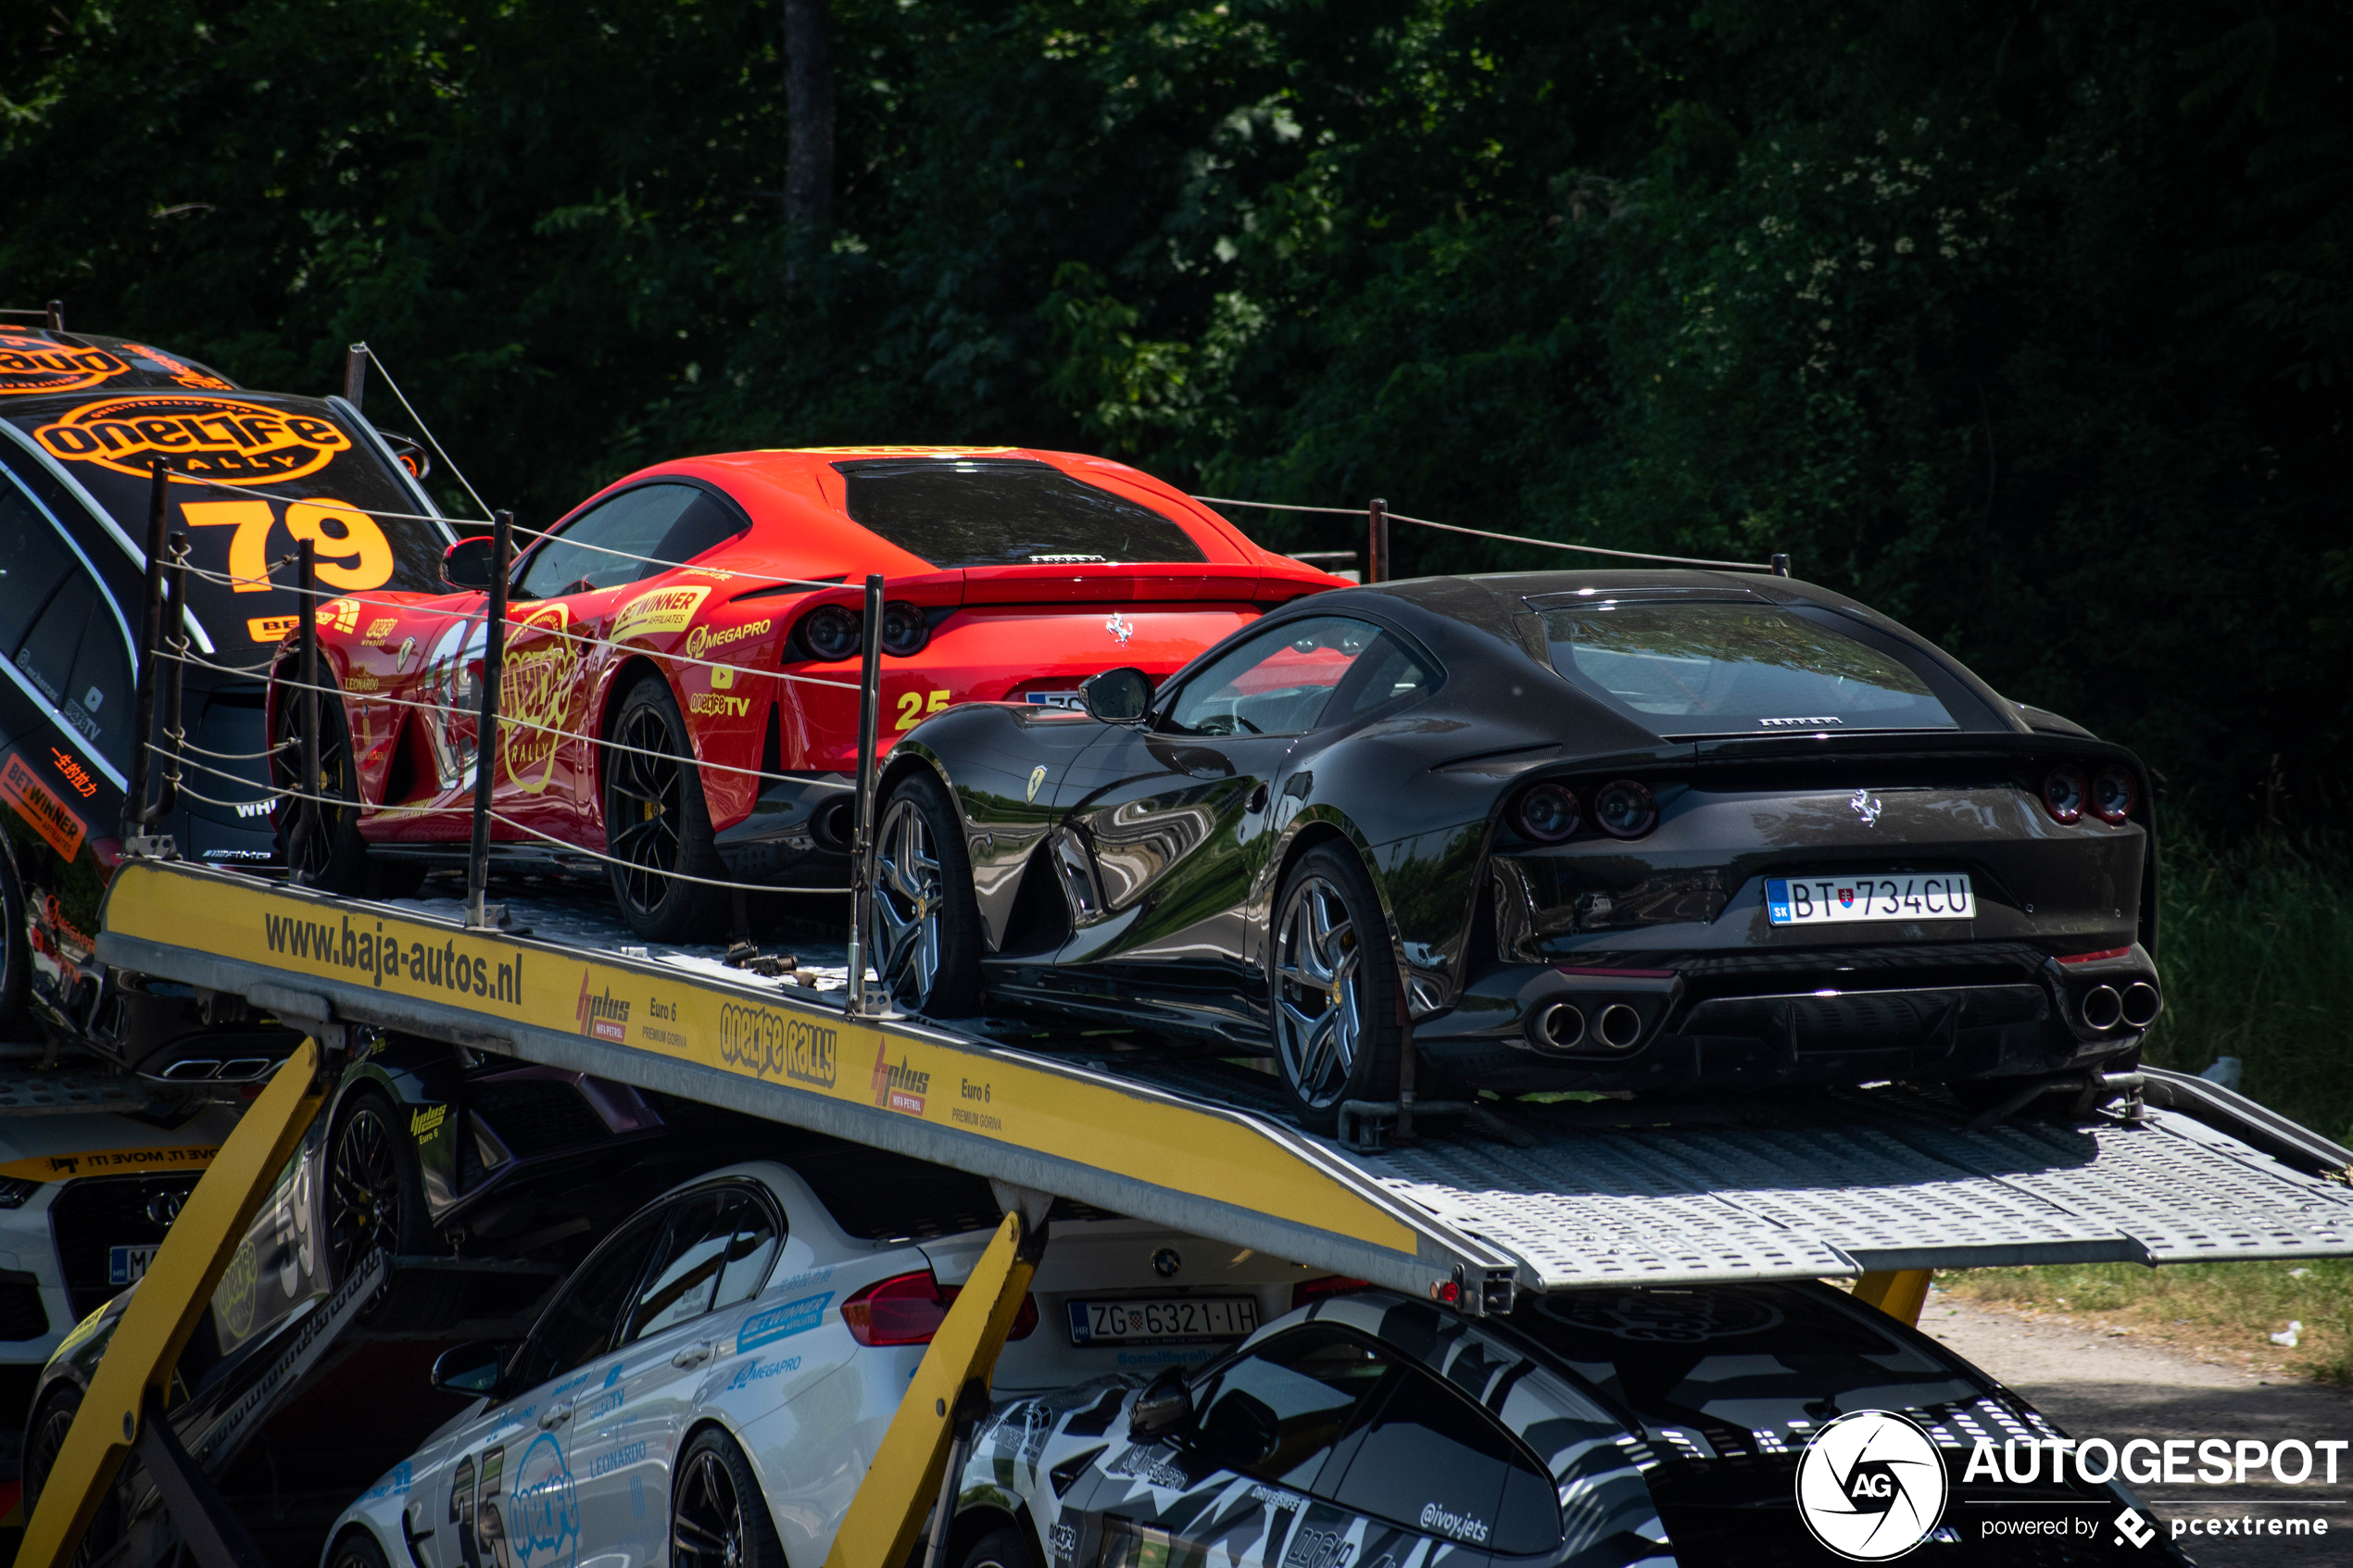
<point x="808" y="102"/>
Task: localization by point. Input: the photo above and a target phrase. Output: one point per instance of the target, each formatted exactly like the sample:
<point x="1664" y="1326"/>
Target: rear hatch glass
<point x="1687" y="667"/>
<point x="1006" y="511"/>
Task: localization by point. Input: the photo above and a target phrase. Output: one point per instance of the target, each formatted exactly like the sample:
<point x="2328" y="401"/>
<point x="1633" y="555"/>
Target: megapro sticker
<point x="664" y="610"/>
<point x="782" y="1322"/>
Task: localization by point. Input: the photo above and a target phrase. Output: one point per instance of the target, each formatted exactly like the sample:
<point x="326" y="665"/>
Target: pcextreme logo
<point x="1871" y="1486"/>
<point x="217" y="438"/>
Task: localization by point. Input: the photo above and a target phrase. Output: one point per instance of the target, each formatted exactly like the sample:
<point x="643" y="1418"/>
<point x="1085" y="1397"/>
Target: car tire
<point x="718" y="1518"/>
<point x="45" y="1438"/>
<point x="1332" y="978"/>
<point x="16" y="957"/>
<point x="357" y="1548"/>
<point x="926" y="923"/>
<point x="1003" y="1548"/>
<point x="319" y="844"/>
<point x="374" y="1193"/>
<point x="657" y="824"/>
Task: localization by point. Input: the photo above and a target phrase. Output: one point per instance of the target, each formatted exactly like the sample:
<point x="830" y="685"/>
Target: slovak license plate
<point x="1056" y="699"/>
<point x="127" y="1265"/>
<point x="1836" y="900"/>
<point x="1174" y="1321"/>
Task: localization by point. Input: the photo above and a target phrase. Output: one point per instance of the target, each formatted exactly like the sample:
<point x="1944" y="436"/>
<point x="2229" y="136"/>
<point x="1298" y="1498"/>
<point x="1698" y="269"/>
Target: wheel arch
<point x="977" y="1520"/>
<point x="619" y="680"/>
<point x="1320" y="825"/>
<point x="363" y="1529"/>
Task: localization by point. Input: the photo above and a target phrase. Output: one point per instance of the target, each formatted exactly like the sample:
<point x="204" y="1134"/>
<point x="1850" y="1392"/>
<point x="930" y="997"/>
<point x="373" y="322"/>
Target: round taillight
<point x="831" y="632"/>
<point x="2113" y="793"/>
<point x="2063" y="794"/>
<point x="1548" y="813"/>
<point x="1625" y="810"/>
<point x="905" y="629"/>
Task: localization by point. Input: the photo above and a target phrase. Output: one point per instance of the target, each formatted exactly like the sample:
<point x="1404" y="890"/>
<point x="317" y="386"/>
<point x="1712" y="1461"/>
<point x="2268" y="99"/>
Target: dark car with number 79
<point x="1616" y="831"/>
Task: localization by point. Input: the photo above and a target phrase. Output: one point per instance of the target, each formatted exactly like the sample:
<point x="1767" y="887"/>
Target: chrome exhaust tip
<point x="2102" y="1008"/>
<point x="1619" y="1027"/>
<point x="1557" y="1026"/>
<point x="2141" y="1004"/>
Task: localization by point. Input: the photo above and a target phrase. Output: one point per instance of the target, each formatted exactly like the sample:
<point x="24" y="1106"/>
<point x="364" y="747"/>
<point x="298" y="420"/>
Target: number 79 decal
<point x="353" y="551"/>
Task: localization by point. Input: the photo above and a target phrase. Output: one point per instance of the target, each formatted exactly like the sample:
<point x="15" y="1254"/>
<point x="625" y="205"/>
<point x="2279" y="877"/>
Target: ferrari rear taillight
<point x="905" y="629"/>
<point x="830" y="631"/>
<point x="1625" y="810"/>
<point x="2113" y="793"/>
<point x="2063" y="792"/>
<point x="1547" y="814"/>
<point x="909" y="1309"/>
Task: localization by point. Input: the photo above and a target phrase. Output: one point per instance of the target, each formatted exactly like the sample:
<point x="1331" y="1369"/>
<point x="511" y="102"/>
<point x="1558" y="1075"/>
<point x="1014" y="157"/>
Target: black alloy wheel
<point x="657" y="824"/>
<point x="1334" y="981"/>
<point x="357" y="1549"/>
<point x="375" y="1194"/>
<point x="319" y="842"/>
<point x="926" y="923"/>
<point x="717" y="1517"/>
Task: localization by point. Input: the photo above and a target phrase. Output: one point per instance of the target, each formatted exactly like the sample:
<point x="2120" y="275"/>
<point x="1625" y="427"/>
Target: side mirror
<point x="471" y="1367"/>
<point x="1164" y="1408"/>
<point x="467" y="564"/>
<point x="1117" y="696"/>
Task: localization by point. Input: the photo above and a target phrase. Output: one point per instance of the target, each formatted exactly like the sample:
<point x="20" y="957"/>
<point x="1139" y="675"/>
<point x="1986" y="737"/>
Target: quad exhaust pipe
<point x="2102" y="1008"/>
<point x="2141" y="1004"/>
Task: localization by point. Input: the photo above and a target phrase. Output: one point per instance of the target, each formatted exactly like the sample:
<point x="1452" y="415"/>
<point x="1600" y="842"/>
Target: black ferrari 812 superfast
<point x="1646" y="831"/>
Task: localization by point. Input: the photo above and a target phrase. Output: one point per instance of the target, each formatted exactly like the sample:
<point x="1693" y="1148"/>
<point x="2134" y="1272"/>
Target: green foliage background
<point x="2030" y="325"/>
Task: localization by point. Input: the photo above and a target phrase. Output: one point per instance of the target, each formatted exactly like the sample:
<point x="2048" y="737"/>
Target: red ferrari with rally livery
<point x="679" y="698"/>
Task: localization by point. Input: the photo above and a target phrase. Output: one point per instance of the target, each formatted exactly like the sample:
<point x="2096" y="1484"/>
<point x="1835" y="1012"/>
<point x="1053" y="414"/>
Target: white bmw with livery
<point x="711" y="1384"/>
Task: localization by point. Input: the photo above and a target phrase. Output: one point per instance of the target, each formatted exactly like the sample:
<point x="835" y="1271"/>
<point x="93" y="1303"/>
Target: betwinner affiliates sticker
<point x="218" y="438"/>
<point x="664" y="610"/>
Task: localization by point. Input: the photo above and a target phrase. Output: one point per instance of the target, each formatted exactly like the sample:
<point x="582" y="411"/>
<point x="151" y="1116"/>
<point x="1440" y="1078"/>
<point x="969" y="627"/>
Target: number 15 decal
<point x="353" y="551"/>
<point x="914" y="707"/>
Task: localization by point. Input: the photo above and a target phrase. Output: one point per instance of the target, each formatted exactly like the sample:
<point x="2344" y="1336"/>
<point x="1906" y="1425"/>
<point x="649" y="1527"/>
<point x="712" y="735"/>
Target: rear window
<point x="1688" y="668"/>
<point x="1006" y="512"/>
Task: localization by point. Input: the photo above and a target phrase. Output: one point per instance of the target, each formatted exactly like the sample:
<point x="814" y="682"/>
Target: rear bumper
<point x="1952" y="1012"/>
<point x="796" y="833"/>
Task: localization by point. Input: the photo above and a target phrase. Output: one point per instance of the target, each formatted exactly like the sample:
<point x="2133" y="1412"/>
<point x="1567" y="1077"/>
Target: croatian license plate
<point x="1176" y="1320"/>
<point x="1836" y="900"/>
<point x="126" y="1265"/>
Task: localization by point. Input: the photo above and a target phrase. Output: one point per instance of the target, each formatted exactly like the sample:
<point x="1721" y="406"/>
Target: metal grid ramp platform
<point x="1534" y="1196"/>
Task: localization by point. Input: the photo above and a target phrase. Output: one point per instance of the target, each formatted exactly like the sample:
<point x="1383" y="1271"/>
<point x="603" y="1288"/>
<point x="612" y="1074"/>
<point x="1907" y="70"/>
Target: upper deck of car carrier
<point x="1511" y="1196"/>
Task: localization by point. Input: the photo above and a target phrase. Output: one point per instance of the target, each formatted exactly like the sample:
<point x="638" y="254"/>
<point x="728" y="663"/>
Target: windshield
<point x="1688" y="668"/>
<point x="1006" y="512"/>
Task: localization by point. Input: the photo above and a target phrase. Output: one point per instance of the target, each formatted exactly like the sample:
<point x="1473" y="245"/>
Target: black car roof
<point x="36" y="362"/>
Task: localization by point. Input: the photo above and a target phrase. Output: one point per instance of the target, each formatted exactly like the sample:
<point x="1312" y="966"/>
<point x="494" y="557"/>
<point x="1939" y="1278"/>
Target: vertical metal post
<point x="312" y="819"/>
<point x="494" y="657"/>
<point x="142" y="703"/>
<point x="355" y="374"/>
<point x="56" y="314"/>
<point x="1781" y="564"/>
<point x="175" y="638"/>
<point x="1376" y="541"/>
<point x="862" y="838"/>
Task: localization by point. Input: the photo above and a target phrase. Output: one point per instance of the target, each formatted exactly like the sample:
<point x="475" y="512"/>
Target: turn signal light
<point x="1625" y="810"/>
<point x="830" y="631"/>
<point x="1547" y="814"/>
<point x="2063" y="794"/>
<point x="909" y="1309"/>
<point x="2113" y="793"/>
<point x="905" y="629"/>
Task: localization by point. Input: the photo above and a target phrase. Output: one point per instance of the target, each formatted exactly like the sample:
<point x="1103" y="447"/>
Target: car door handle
<point x="694" y="1355"/>
<point x="555" y="1416"/>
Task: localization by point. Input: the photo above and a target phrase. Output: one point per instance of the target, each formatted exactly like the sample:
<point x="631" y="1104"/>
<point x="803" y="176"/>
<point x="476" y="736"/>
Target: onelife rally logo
<point x="34" y="364"/>
<point x="1871" y="1486"/>
<point x="536" y="685"/>
<point x="899" y="1086"/>
<point x="605" y="1016"/>
<point x="218" y="438"/>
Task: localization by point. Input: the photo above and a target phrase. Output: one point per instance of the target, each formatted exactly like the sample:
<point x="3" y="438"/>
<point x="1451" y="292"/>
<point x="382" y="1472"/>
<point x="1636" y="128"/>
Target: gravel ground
<point x="2096" y="1384"/>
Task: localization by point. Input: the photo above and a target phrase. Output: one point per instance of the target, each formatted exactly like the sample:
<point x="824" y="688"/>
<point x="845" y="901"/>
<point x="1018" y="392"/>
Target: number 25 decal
<point x="353" y="551"/>
<point x="912" y="706"/>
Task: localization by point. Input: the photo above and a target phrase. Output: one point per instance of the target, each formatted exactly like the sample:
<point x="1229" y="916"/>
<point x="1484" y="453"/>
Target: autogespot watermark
<point x="1872" y="1485"/>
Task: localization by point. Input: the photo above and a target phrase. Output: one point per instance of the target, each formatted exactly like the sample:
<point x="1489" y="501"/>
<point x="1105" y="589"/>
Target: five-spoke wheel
<point x="1334" y="986"/>
<point x="657" y="826"/>
<point x="717" y="1519"/>
<point x="926" y="927"/>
